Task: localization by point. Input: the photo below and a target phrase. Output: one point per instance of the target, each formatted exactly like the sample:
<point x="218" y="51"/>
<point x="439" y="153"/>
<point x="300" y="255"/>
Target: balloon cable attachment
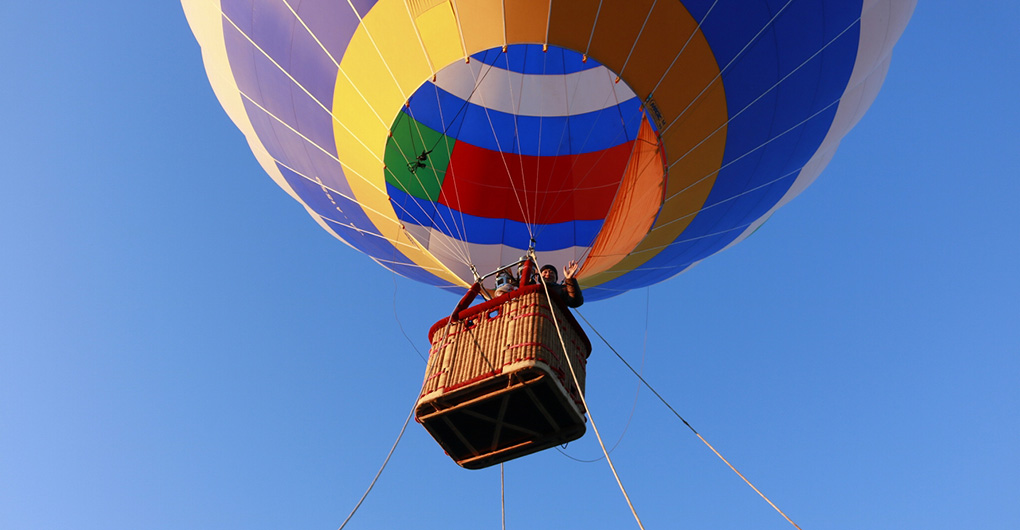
<point x="419" y="161"/>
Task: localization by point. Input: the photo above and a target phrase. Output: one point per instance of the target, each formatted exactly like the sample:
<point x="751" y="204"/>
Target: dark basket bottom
<point x="502" y="418"/>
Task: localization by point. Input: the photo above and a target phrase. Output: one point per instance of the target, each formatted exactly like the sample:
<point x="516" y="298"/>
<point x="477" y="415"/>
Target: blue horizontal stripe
<point x="490" y="231"/>
<point x="527" y="135"/>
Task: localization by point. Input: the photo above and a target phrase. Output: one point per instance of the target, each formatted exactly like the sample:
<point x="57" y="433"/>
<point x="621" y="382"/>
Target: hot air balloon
<point x="448" y="138"/>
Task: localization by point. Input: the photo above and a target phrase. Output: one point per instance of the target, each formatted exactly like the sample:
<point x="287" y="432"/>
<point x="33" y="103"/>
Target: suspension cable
<point x="502" y="497"/>
<point x="525" y="214"/>
<point x="587" y="409"/>
<point x="556" y="207"/>
<point x="633" y="407"/>
<point x="397" y="318"/>
<point x="386" y="461"/>
<point x="677" y="414"/>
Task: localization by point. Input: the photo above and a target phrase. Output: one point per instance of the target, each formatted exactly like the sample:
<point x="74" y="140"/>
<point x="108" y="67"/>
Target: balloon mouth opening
<point x="540" y="128"/>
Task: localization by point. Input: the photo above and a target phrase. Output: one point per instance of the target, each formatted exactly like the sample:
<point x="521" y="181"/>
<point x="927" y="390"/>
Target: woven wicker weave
<point x="498" y="386"/>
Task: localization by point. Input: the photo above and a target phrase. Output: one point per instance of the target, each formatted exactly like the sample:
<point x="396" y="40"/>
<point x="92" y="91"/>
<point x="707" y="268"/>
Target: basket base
<point x="515" y="413"/>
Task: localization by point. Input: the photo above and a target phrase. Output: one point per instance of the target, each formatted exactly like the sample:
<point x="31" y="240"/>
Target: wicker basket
<point x="498" y="385"/>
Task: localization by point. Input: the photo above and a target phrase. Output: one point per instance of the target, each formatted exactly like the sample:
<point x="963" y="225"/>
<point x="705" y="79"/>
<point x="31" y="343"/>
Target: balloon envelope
<point x="443" y="138"/>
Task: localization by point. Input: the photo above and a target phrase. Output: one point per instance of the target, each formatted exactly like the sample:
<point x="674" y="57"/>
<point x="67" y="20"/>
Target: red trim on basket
<point x="522" y="344"/>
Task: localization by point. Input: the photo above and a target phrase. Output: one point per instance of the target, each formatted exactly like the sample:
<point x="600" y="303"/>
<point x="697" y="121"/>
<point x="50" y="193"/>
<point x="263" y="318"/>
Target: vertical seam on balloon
<point x="506" y="166"/>
<point x="417" y="33"/>
<point x="526" y="208"/>
<point x="467" y="247"/>
<point x="763" y="94"/>
<point x="462" y="228"/>
<point x="594" y="24"/>
<point x="763" y="144"/>
<point x="641" y="32"/>
<point x="334" y="157"/>
<point x="462" y="255"/>
<point x="541" y="116"/>
<point x="361" y="23"/>
<point x="683" y="48"/>
<point x="502" y="9"/>
<point x="548" y="22"/>
<point x="460" y="28"/>
<point x="602" y="153"/>
<point x="565" y="133"/>
<point x="339" y="68"/>
<point x="296" y="83"/>
<point x="378" y="52"/>
<point x="730" y="198"/>
<point x="341" y="194"/>
<point x="722" y="70"/>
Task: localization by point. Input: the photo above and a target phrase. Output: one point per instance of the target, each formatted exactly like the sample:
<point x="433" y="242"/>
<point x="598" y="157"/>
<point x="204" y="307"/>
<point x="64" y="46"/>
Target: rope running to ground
<point x="677" y="414"/>
<point x="577" y="385"/>
<point x="637" y="392"/>
<point x="378" y="473"/>
<point x="406" y="421"/>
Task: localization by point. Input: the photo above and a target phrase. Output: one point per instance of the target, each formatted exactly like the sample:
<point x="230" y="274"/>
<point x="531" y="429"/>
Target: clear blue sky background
<point x="183" y="348"/>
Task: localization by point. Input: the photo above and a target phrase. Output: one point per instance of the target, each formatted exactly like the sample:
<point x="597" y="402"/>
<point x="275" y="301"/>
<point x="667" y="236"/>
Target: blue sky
<point x="183" y="347"/>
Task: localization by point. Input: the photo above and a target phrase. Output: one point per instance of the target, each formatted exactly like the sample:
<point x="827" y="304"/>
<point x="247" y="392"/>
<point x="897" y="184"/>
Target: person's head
<point x="548" y="273"/>
<point x="504" y="277"/>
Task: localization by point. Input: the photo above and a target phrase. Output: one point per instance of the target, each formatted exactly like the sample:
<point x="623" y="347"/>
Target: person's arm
<point x="572" y="293"/>
<point x="571" y="290"/>
<point x="569" y="270"/>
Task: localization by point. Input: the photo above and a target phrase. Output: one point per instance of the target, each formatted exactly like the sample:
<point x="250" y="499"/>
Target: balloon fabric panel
<point x="436" y="136"/>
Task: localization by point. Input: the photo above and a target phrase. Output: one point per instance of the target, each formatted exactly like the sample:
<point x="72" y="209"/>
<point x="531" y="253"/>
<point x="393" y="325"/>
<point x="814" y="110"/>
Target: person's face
<point x="548" y="275"/>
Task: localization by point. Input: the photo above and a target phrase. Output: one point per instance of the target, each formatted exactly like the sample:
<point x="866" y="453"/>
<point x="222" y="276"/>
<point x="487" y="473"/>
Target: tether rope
<point x="633" y="407"/>
<point x="386" y="461"/>
<point x="677" y="414"/>
<point x="587" y="409"/>
<point x="396" y="317"/>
